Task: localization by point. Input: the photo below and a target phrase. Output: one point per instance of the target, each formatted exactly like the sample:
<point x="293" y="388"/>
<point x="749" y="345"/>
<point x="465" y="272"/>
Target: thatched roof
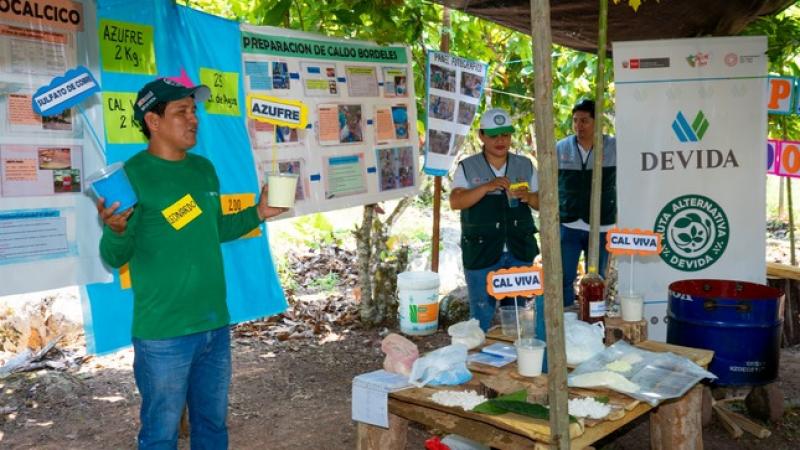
<point x="574" y="22"/>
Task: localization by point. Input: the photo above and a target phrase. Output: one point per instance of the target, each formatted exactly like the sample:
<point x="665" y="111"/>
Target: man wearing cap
<point x="171" y="239"/>
<point x="575" y="162"/>
<point x="497" y="229"/>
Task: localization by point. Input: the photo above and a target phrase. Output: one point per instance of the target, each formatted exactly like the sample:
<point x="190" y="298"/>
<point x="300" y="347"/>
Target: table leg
<point x="371" y="437"/>
<point x="677" y="424"/>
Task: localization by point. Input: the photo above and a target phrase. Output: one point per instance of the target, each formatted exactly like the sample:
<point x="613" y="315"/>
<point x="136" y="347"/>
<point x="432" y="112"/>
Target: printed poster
<point x="455" y="86"/>
<point x="691" y="124"/>
<point x="29" y="171"/>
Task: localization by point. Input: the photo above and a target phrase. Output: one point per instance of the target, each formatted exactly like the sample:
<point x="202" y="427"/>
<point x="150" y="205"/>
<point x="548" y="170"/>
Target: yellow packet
<point x="520" y="185"/>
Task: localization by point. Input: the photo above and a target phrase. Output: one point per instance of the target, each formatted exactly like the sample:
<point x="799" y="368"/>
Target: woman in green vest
<point x="495" y="191"/>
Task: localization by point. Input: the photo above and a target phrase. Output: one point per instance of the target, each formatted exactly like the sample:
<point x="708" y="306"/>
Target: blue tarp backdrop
<point x="187" y="39"/>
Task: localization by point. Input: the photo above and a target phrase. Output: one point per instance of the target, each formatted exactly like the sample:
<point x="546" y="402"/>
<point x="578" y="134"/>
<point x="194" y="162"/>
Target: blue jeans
<point x="171" y="372"/>
<point x="481" y="305"/>
<point x="573" y="242"/>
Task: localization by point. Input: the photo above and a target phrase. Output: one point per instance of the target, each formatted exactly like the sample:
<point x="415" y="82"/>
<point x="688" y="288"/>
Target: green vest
<point x="490" y="224"/>
<point x="575" y="181"/>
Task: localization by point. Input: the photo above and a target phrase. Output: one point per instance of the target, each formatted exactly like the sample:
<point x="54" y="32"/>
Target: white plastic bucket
<point x="418" y="298"/>
<point x="282" y="189"/>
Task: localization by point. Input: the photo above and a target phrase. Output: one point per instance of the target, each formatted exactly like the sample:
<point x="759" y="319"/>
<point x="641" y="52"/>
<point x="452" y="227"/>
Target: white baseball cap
<point x="496" y="121"/>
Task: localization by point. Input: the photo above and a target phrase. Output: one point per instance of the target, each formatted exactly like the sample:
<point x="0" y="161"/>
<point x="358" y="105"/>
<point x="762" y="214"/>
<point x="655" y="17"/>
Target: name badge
<point x="180" y="213"/>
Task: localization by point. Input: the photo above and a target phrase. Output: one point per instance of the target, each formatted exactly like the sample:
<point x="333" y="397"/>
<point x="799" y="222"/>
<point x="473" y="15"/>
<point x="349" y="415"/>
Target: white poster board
<point x="361" y="144"/>
<point x="48" y="225"/>
<point x="691" y="125"/>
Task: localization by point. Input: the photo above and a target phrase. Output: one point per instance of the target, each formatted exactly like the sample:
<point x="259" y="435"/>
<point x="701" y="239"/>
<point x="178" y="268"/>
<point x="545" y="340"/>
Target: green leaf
<point x="694" y="217"/>
<point x="278" y="13"/>
<point x="683" y="222"/>
<point x="489" y="408"/>
<point x="684" y="238"/>
<point x="602" y="399"/>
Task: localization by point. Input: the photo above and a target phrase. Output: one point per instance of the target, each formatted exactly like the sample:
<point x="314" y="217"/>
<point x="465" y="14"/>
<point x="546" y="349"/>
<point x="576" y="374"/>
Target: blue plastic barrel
<point x="740" y="321"/>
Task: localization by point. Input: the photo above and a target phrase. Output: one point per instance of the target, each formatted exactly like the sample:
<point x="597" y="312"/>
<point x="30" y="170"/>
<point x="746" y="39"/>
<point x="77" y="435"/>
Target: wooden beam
<point x="783" y="271"/>
<point x="548" y="218"/>
<point x="395" y="437"/>
<point x="677" y="424"/>
<point x="597" y="152"/>
<point x="437" y="181"/>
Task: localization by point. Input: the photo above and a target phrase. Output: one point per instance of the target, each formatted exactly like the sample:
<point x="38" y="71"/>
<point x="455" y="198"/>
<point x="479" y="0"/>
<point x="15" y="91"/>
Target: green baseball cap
<point x="495" y="122"/>
<point x="165" y="90"/>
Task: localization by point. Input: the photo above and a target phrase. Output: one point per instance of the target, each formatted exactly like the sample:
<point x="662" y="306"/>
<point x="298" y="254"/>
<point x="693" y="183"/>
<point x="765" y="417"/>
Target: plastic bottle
<point x="591" y="295"/>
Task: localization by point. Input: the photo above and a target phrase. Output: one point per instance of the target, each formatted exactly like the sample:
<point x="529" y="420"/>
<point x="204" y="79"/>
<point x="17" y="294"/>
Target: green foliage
<point x="326" y="283"/>
<point x="286" y="274"/>
<point x="315" y="231"/>
<point x="783" y="51"/>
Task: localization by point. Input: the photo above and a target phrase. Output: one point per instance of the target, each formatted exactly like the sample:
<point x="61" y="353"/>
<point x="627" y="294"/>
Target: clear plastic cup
<point x="282" y="189"/>
<point x="113" y="185"/>
<point x="527" y="320"/>
<point x="530" y="356"/>
<point x="632" y="307"/>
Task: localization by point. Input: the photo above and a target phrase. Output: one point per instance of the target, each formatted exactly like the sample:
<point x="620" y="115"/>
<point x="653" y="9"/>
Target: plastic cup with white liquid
<point x="530" y="356"/>
<point x="282" y="189"/>
<point x="632" y="307"/>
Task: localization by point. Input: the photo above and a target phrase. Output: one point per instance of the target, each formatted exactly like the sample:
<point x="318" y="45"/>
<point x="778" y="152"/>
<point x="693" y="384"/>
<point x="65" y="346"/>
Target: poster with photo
<point x="395" y="82"/>
<point x="31" y="170"/>
<point x="455" y="86"/>
<point x="391" y="123"/>
<point x="264" y="135"/>
<point x="21" y="118"/>
<point x="396" y="167"/>
<point x="340" y="124"/>
<point x="358" y="96"/>
<point x="34" y="51"/>
<point x="319" y="80"/>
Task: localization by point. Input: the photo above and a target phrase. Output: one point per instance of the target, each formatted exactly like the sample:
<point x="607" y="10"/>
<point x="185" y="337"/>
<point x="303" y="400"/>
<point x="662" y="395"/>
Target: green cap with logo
<point x="495" y="122"/>
<point x="165" y="90"/>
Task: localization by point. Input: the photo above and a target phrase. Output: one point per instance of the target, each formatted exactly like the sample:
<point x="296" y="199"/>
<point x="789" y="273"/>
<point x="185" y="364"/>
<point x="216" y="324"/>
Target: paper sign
<point x="127" y="47"/>
<point x="286" y="113"/>
<point x="118" y="118"/>
<point x="781" y="92"/>
<point x="773" y="148"/>
<point x="20" y="110"/>
<point x="65" y="92"/>
<point x="517" y="281"/>
<point x="788" y="163"/>
<point x="630" y="242"/>
<point x="233" y="203"/>
<point x="224" y="86"/>
<point x="125" y="276"/>
<point x="180" y="213"/>
<point x="62" y="14"/>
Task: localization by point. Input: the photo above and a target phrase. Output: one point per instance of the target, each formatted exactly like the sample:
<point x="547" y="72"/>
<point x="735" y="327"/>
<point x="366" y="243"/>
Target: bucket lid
<point x="418" y="280"/>
<point x="104" y="172"/>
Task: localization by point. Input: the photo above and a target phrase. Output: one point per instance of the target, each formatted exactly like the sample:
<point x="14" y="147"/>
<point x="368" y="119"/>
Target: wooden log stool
<point x="630" y="332"/>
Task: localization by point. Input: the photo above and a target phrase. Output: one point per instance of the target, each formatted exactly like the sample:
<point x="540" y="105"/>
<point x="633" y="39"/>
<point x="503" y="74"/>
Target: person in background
<point x="575" y="163"/>
<point x="171" y="240"/>
<point x="497" y="228"/>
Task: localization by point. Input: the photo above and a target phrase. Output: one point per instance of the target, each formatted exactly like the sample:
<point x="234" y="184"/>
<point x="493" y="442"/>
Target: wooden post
<point x="678" y="425"/>
<point x="548" y="217"/>
<point x="437" y="181"/>
<point x="371" y="437"/>
<point x="597" y="168"/>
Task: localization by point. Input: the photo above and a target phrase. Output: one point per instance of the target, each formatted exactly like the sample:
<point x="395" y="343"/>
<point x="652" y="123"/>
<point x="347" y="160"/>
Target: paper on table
<point x="371" y="394"/>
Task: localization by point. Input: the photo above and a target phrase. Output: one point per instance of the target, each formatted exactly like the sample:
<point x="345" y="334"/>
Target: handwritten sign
<point x="65" y="92"/>
<point x="233" y="203"/>
<point x="118" y="118"/>
<point x="781" y="92"/>
<point x="224" y="86"/>
<point x="285" y="113"/>
<point x="127" y="47"/>
<point x="631" y="242"/>
<point x="517" y="281"/>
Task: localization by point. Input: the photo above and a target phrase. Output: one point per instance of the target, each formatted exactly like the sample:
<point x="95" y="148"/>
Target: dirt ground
<point x="285" y="395"/>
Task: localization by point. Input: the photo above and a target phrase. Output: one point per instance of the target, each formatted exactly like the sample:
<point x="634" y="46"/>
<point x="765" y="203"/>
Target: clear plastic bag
<point x="467" y="332"/>
<point x="400" y="354"/>
<point x="445" y="366"/>
<point x="654" y="376"/>
<point x="582" y="340"/>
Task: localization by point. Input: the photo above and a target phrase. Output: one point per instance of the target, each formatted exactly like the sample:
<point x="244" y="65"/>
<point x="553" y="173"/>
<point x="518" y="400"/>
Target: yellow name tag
<point x="180" y="213"/>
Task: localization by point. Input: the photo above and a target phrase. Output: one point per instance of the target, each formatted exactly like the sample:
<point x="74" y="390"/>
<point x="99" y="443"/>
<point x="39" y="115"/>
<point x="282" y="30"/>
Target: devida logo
<point x="687" y="133"/>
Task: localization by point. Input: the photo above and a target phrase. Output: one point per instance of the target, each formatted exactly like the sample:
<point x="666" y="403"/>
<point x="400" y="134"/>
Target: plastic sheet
<point x="657" y="376"/>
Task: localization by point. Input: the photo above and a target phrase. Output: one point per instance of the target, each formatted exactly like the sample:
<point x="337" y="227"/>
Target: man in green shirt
<point x="171" y="240"/>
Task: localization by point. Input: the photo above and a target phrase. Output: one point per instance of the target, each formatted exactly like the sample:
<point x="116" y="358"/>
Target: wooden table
<point x="674" y="424"/>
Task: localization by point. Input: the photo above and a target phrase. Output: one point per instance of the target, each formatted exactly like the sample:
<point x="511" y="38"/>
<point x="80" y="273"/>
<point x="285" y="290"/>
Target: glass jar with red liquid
<point x="591" y="297"/>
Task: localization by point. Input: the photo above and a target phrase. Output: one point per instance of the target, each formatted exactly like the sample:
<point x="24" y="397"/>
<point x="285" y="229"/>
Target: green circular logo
<point x="499" y="119"/>
<point x="695" y="232"/>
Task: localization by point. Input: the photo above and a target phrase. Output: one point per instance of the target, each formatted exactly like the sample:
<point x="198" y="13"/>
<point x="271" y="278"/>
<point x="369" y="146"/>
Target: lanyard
<point x="580" y="153"/>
